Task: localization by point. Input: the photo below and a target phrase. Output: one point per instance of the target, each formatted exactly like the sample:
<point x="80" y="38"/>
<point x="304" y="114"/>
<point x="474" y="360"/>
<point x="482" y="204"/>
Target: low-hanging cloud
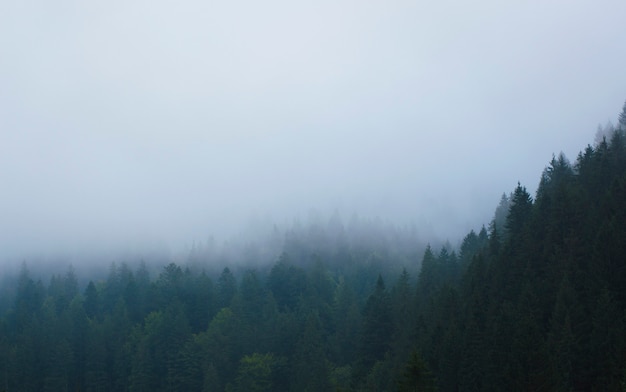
<point x="158" y="121"/>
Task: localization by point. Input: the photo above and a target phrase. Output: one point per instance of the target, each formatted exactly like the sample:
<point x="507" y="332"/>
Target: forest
<point x="533" y="301"/>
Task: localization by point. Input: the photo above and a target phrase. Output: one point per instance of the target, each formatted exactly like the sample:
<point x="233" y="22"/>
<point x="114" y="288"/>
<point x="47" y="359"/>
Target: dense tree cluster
<point x="535" y="302"/>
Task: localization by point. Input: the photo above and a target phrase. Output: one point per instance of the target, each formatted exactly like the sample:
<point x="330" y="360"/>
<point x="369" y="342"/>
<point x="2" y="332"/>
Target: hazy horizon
<point x="134" y="124"/>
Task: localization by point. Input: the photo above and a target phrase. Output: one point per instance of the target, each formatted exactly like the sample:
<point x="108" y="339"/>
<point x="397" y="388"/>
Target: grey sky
<point x="159" y="120"/>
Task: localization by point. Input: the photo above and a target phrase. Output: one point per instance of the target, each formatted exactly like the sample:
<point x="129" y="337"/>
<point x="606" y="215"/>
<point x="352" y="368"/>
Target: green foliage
<point x="416" y="376"/>
<point x="310" y="367"/>
<point x="519" y="211"/>
<point x="287" y="283"/>
<point x="255" y="373"/>
<point x="535" y="302"/>
<point x="226" y="288"/>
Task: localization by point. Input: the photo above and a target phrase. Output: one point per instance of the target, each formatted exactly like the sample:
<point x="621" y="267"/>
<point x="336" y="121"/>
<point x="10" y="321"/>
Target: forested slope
<point x="535" y="302"/>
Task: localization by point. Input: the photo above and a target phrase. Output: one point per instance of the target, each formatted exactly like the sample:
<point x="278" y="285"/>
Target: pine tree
<point x="255" y="373"/>
<point x="310" y="367"/>
<point x="622" y="118"/>
<point x="377" y="330"/>
<point x="416" y="377"/>
<point x="226" y="288"/>
<point x="347" y="321"/>
<point x="519" y="212"/>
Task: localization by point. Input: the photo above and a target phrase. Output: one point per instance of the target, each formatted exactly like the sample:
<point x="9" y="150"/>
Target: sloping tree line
<point x="536" y="301"/>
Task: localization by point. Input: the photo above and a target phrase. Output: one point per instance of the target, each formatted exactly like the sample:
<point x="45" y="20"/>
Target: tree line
<point x="535" y="301"/>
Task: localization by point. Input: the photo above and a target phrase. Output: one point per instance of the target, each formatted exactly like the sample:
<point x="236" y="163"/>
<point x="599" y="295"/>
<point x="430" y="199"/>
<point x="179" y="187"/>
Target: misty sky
<point x="141" y="121"/>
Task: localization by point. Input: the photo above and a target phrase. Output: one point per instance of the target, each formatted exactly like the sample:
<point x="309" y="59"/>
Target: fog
<point x="135" y="125"/>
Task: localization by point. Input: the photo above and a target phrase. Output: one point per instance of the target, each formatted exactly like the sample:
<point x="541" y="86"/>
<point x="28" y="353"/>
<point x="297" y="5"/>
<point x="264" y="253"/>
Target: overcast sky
<point x="130" y="120"/>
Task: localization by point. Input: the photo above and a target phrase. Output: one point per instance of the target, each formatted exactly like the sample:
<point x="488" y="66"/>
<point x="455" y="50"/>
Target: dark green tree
<point x="287" y="283"/>
<point x="255" y="373"/>
<point x="519" y="212"/>
<point x="310" y="367"/>
<point x="347" y="320"/>
<point x="92" y="300"/>
<point x="226" y="288"/>
<point x="622" y="118"/>
<point x="416" y="376"/>
<point x="376" y="331"/>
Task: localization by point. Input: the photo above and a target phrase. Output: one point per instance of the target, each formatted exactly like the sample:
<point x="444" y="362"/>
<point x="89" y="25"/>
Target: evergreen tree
<point x="92" y="302"/>
<point x="255" y="373"/>
<point x="226" y="288"/>
<point x="376" y="331"/>
<point x="429" y="276"/>
<point x="519" y="212"/>
<point x="416" y="376"/>
<point x="622" y="118"/>
<point x="310" y="371"/>
<point x="536" y="302"/>
<point x="347" y="320"/>
<point x="287" y="283"/>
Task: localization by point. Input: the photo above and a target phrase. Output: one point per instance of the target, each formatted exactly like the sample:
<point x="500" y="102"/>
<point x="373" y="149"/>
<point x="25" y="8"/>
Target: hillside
<point x="535" y="301"/>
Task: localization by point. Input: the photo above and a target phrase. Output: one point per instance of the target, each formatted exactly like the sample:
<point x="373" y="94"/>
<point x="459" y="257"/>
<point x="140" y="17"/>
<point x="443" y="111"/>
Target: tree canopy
<point x="535" y="302"/>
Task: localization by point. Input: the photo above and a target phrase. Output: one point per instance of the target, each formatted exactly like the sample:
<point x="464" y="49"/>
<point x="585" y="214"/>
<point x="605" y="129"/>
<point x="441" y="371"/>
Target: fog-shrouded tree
<point x="226" y="288"/>
<point x="535" y="300"/>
